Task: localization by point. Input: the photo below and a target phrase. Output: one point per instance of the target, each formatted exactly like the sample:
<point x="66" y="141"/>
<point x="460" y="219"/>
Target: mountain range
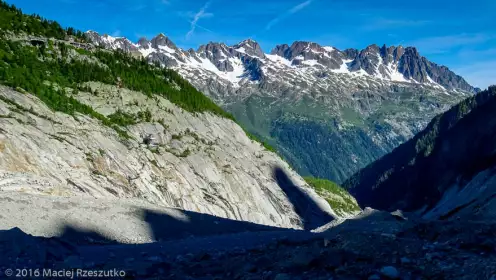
<point x="328" y="112"/>
<point x="246" y="61"/>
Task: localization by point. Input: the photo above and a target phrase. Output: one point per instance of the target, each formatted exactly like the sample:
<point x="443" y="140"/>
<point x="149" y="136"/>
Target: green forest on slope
<point x="453" y="147"/>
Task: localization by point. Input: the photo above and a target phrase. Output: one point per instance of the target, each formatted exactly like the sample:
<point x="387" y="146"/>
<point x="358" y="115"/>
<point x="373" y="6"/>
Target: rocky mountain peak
<point x="398" y="52"/>
<point x="213" y="47"/>
<point x="143" y="42"/>
<point x="299" y="47"/>
<point x="248" y="42"/>
<point x="214" y="50"/>
<point x="413" y="66"/>
<point x="351" y="53"/>
<point x="162" y="42"/>
<point x="111" y="42"/>
<point x="367" y="60"/>
<point x="281" y="50"/>
<point x="391" y="54"/>
<point x="218" y="54"/>
<point x="250" y="47"/>
<point x="372" y="48"/>
<point x="412" y="53"/>
<point x="302" y="53"/>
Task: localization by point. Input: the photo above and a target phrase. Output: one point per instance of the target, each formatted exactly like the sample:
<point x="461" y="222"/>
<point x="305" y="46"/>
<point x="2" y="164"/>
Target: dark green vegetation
<point x="124" y="119"/>
<point x="29" y="68"/>
<point x="12" y="19"/>
<point x="320" y="149"/>
<point x="333" y="137"/>
<point x="139" y="75"/>
<point x="453" y="148"/>
<point x="22" y="67"/>
<point x="339" y="199"/>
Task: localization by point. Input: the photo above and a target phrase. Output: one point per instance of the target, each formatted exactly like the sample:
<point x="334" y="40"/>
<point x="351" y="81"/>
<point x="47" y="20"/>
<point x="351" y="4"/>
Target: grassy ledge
<point x="337" y="197"/>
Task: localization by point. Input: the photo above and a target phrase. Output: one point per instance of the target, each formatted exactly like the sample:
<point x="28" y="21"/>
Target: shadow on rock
<point x="79" y="236"/>
<point x="307" y="209"/>
<point x="183" y="224"/>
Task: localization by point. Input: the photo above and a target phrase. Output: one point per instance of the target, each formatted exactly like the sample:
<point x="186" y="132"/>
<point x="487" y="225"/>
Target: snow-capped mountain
<point x="329" y="112"/>
<point x="246" y="62"/>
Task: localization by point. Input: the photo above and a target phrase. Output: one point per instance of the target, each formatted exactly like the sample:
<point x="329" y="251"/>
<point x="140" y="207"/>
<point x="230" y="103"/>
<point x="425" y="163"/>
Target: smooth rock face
<point x="225" y="174"/>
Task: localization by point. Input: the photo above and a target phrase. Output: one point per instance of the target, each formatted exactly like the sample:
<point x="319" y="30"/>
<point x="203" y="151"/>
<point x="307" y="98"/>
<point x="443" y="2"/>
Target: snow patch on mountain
<point x="167" y="49"/>
<point x="278" y="60"/>
<point x="394" y="74"/>
<point x="303" y="61"/>
<point x="344" y="68"/>
<point x="329" y="49"/>
<point x="147" y="51"/>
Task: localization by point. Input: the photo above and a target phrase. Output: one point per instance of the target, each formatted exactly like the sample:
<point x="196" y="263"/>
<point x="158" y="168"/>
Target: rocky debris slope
<point x="328" y="112"/>
<point x="111" y="220"/>
<point x="198" y="162"/>
<point x="377" y="246"/>
<point x="446" y="172"/>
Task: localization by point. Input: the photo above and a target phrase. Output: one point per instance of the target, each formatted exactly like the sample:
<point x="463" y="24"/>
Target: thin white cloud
<point x="199" y="15"/>
<point x="288" y="13"/>
<point x="442" y="44"/>
<point x="477" y="54"/>
<point x="204" y="28"/>
<point x="383" y="23"/>
<point x="479" y="74"/>
<point x="300" y="7"/>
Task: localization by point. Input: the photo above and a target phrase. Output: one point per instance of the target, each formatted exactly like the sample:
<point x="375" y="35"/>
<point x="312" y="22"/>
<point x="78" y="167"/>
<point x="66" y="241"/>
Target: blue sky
<point x="458" y="34"/>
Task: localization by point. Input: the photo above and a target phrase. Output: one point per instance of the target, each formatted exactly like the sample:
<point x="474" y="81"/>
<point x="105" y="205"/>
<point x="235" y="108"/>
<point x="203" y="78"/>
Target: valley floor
<point x="373" y="245"/>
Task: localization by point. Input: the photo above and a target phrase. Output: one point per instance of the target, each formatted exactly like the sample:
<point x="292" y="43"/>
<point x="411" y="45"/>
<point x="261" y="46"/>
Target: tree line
<point x="12" y="19"/>
<point x="30" y="68"/>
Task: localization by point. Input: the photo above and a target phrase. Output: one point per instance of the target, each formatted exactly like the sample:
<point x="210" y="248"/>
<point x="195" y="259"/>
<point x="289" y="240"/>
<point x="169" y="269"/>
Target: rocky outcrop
<point x="218" y="54"/>
<point x="281" y="50"/>
<point x="251" y="48"/>
<point x="416" y="67"/>
<point x="114" y="43"/>
<point x="411" y="65"/>
<point x="143" y="42"/>
<point x="162" y="41"/>
<point x="367" y="59"/>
